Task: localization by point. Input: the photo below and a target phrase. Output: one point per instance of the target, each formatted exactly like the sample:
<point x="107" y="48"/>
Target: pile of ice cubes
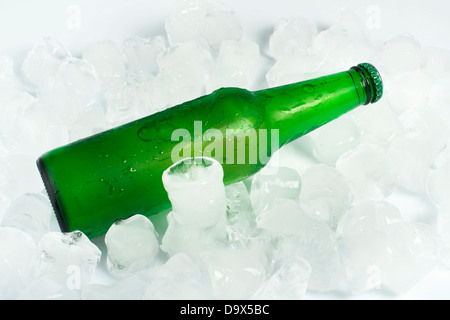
<point x="323" y="217"/>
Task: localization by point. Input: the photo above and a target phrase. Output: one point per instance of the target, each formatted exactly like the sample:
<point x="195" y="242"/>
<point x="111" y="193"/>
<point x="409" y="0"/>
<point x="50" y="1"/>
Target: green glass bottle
<point x="118" y="173"/>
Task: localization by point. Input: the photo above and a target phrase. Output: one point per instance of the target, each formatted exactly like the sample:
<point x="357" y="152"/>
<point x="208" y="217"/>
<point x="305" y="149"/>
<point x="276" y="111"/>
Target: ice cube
<point x="334" y="139"/>
<point x="71" y="89"/>
<point x="295" y="68"/>
<point x="196" y="191"/>
<point x="179" y="278"/>
<point x="129" y="288"/>
<point x="17" y="251"/>
<point x="43" y="61"/>
<point x="292" y="35"/>
<point x="132" y="245"/>
<point x="192" y="240"/>
<point x="408" y="90"/>
<point x="368" y="215"/>
<point x="443" y="221"/>
<point x="202" y="21"/>
<point x="21" y="176"/>
<point x="439" y="98"/>
<point x="222" y="24"/>
<point x="267" y="187"/>
<point x="380" y="249"/>
<point x="377" y="123"/>
<point x="38" y="130"/>
<point x="237" y="65"/>
<point x="235" y="273"/>
<point x="68" y="258"/>
<point x="30" y="213"/>
<point x="402" y="53"/>
<point x="427" y="128"/>
<point x="437" y="61"/>
<point x="317" y="244"/>
<point x="240" y="213"/>
<point x="367" y="171"/>
<point x="46" y="288"/>
<point x="186" y="22"/>
<point x="326" y="195"/>
<point x="288" y="282"/>
<point x="108" y="61"/>
<point x="142" y="54"/>
<point x="409" y="163"/>
<point x="345" y="43"/>
<point x="229" y="76"/>
<point x="438" y="186"/>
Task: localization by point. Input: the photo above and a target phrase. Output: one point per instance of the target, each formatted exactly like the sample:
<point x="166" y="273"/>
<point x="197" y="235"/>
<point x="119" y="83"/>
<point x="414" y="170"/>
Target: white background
<point x="77" y="24"/>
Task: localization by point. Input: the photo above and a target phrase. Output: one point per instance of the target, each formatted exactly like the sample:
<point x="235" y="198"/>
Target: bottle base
<point x="51" y="195"/>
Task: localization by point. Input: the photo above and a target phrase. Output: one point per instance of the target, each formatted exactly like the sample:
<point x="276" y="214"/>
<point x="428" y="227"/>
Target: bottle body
<point x="118" y="173"/>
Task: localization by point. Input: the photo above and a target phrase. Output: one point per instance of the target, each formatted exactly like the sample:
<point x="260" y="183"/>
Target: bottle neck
<point x="299" y="108"/>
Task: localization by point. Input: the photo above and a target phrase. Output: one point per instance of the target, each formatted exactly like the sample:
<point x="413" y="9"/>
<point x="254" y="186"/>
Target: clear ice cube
<point x="402" y="53"/>
<point x="69" y="258"/>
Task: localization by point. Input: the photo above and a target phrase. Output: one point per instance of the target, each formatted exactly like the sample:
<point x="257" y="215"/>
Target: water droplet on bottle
<point x="308" y="88"/>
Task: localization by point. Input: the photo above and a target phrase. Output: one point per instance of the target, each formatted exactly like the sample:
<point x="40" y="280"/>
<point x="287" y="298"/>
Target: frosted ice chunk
<point x="439" y="98"/>
<point x="196" y="191"/>
<point x="377" y="123"/>
<point x="179" y="278"/>
<point x="129" y="288"/>
<point x="192" y="240"/>
<point x="222" y="25"/>
<point x="108" y="61"/>
<point x="17" y="250"/>
<point x="71" y="89"/>
<point x="438" y="184"/>
<point x="367" y="171"/>
<point x="202" y="21"/>
<point x="142" y="54"/>
<point x="402" y="53"/>
<point x="69" y="258"/>
<point x="408" y="90"/>
<point x="378" y="248"/>
<point x="427" y="128"/>
<point x="288" y="282"/>
<point x="30" y="213"/>
<point x="43" y="61"/>
<point x="409" y="162"/>
<point x="292" y="35"/>
<point x="89" y="121"/>
<point x="21" y="176"/>
<point x="46" y="288"/>
<point x="368" y="215"/>
<point x="326" y="195"/>
<point x="132" y="245"/>
<point x="295" y="68"/>
<point x="235" y="273"/>
<point x="237" y="65"/>
<point x="285" y="217"/>
<point x="437" y="61"/>
<point x="269" y="187"/>
<point x="346" y="42"/>
<point x="443" y="221"/>
<point x="229" y="76"/>
<point x="38" y="130"/>
<point x="334" y="139"/>
<point x="183" y="68"/>
<point x="317" y="244"/>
